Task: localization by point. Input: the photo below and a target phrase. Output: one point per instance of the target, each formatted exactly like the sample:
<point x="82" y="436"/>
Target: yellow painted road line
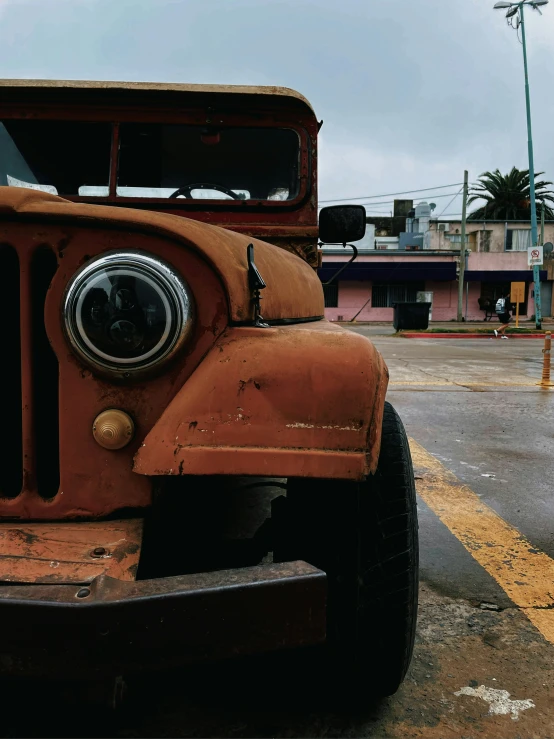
<point x="525" y="573"/>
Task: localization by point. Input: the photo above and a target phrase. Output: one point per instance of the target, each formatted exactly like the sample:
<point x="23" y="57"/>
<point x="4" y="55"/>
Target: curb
<point x="467" y="336"/>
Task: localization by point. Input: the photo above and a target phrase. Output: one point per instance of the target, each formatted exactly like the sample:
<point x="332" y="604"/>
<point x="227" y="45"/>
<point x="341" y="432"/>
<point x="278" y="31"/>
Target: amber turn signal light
<point x="113" y="429"/>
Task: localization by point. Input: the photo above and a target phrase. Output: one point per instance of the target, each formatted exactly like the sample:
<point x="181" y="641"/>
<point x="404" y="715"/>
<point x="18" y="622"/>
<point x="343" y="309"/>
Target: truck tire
<point x="364" y="536"/>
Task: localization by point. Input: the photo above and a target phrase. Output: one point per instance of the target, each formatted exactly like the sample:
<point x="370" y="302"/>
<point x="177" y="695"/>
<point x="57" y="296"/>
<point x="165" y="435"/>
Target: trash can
<point x="411" y="316"/>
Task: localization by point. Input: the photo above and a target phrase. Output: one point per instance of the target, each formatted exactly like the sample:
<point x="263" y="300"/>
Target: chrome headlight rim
<point x="172" y="290"/>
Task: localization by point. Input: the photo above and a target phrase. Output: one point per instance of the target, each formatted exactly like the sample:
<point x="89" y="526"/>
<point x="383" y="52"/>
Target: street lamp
<point x="516" y="9"/>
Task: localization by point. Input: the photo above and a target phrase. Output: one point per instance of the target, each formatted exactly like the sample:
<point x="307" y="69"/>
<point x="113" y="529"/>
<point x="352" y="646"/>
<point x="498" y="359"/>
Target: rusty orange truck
<point x="194" y="463"/>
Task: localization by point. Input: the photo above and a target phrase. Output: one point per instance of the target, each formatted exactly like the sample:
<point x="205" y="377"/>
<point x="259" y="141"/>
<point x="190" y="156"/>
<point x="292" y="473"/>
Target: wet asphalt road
<point x="496" y="437"/>
<point x="503" y="450"/>
<point x="475" y="406"/>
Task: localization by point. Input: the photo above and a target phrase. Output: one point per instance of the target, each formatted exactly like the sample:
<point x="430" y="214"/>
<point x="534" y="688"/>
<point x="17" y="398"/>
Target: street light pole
<point x="534" y="229"/>
<point x="514" y="8"/>
<point x="461" y="274"/>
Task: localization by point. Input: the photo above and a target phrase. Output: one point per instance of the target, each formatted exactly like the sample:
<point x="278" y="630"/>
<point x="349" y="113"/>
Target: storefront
<point x="368" y="288"/>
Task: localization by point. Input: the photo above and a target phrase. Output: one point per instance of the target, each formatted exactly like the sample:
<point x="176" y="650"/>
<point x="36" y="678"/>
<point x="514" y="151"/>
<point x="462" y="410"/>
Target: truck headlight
<point x="127" y="311"/>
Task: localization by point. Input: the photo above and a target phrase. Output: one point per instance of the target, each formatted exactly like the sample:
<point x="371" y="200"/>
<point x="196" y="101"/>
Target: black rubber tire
<point x="365" y="537"/>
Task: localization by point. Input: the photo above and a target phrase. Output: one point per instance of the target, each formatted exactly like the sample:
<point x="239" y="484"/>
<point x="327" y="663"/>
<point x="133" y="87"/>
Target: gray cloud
<point x="412" y="92"/>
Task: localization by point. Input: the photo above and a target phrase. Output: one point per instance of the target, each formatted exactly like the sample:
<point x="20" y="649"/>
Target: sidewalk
<point x="464" y="326"/>
<point x="456" y="330"/>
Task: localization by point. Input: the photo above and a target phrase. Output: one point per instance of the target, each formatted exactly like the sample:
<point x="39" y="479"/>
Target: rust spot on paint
<point x="24" y="536"/>
<point x="69" y="552"/>
<point x="63" y="243"/>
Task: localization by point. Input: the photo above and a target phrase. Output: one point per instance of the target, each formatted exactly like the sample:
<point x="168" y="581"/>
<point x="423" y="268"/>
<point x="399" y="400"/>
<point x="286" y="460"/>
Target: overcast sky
<point x="412" y="92"/>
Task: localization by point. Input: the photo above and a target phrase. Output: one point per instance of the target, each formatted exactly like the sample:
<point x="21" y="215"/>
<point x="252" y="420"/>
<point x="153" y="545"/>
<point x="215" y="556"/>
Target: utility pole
<point x="462" y="251"/>
<point x="542" y="223"/>
<point x="534" y="235"/>
<point x="513" y="9"/>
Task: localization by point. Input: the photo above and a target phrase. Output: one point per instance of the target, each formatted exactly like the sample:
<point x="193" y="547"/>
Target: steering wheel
<point x="186" y="190"/>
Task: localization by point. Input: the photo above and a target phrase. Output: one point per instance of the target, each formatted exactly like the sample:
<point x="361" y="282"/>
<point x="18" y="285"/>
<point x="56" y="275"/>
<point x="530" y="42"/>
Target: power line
<point x="388" y="202"/>
<point x="450" y="203"/>
<point x="389" y="194"/>
<point x="433" y="218"/>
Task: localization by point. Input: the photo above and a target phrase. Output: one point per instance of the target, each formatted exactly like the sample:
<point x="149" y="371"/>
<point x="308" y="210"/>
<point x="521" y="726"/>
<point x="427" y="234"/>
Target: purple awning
<point x="507" y="275"/>
<point x="390" y="271"/>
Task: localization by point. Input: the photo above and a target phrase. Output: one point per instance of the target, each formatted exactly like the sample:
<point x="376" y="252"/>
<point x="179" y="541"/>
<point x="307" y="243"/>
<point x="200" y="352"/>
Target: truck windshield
<point x="161" y="160"/>
<point x="60" y="157"/>
<point x="156" y="160"/>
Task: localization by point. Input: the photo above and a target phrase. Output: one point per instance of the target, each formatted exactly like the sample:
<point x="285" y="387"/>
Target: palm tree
<point x="507" y="196"/>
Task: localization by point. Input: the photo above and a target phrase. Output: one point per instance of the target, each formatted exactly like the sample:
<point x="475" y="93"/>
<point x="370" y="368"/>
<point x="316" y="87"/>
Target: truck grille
<point x="29" y="430"/>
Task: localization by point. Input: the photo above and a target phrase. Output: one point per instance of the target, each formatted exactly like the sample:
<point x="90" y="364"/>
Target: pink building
<point x="369" y="287"/>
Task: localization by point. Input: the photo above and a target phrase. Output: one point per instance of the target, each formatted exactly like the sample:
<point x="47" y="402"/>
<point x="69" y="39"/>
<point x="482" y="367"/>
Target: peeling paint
<point x="64" y="552"/>
<point x="319" y="426"/>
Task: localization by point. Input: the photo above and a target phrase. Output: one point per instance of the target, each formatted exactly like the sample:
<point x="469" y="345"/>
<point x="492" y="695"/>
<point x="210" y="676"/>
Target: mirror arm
<point x="334" y="277"/>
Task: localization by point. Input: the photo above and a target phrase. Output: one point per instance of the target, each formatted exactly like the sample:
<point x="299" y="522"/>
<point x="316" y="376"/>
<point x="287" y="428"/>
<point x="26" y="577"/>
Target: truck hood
<point x="293" y="289"/>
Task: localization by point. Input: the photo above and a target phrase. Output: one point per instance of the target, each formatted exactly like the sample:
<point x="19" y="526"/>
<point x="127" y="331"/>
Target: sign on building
<point x="534" y="255"/>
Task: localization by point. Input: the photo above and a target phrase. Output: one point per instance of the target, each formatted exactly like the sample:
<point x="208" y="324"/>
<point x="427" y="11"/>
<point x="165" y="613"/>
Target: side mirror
<point x="339" y="224"/>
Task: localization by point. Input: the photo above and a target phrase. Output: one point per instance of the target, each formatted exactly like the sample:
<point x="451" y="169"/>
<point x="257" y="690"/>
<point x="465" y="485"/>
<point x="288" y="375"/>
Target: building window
<point x="518" y="239"/>
<point x="386" y="295"/>
<point x="331" y="295"/>
<point x="456" y="238"/>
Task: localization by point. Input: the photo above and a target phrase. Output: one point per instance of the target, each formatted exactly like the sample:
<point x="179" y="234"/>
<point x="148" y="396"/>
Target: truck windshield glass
<point x="194" y="162"/>
<point x="60" y="157"/>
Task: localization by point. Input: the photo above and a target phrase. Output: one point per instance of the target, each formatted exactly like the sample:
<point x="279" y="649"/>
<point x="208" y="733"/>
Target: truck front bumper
<point x="110" y="626"/>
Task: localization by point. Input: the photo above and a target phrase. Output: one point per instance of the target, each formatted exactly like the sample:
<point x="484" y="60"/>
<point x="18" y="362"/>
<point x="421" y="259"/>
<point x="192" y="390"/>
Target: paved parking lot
<point x="482" y="440"/>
